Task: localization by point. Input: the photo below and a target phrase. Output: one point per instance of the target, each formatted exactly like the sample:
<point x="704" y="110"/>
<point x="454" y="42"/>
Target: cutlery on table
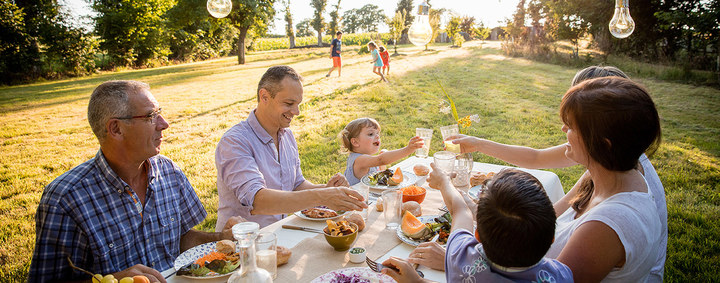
<point x="306" y="229"/>
<point x="377" y="267"/>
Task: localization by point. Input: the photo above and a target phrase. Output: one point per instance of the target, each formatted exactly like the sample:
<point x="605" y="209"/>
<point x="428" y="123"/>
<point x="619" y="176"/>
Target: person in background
<point x="361" y="138"/>
<point x="376" y="60"/>
<point x="258" y="165"/>
<point x="385" y="55"/>
<point x="128" y="211"/>
<point x="335" y="47"/>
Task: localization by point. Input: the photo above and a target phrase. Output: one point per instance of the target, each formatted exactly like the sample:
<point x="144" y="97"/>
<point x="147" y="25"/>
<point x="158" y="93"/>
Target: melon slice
<point x="414" y="228"/>
<point x="396" y="178"/>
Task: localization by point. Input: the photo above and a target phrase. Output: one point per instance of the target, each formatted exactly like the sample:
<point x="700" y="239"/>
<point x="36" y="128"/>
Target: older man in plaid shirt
<point x="127" y="211"/>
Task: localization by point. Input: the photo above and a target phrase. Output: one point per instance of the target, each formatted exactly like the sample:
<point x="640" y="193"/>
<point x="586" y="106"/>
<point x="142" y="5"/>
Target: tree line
<point x="673" y="31"/>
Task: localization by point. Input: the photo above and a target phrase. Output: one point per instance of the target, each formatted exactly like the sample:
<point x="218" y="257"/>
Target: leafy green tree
<point x="195" y="36"/>
<point x="516" y="26"/>
<point x="334" y="24"/>
<point x="434" y="18"/>
<point x="303" y="28"/>
<point x="480" y="31"/>
<point x="132" y="31"/>
<point x="407" y="9"/>
<point x="534" y="11"/>
<point x="289" y="31"/>
<point x="351" y="21"/>
<point x="467" y="24"/>
<point x="397" y="25"/>
<point x="19" y="53"/>
<point x="318" y="21"/>
<point x="453" y="29"/>
<point x="250" y="14"/>
<point x="367" y="18"/>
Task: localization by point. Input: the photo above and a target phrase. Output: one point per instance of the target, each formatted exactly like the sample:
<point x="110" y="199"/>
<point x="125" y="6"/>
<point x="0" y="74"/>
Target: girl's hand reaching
<point x="415" y="143"/>
<point x="467" y="143"/>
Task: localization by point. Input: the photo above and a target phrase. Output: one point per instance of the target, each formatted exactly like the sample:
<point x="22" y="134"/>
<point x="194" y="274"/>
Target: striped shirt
<point x="92" y="216"/>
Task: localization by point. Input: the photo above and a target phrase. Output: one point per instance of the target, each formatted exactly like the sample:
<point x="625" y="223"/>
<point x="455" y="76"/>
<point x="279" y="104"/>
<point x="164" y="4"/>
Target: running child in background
<point x="385" y="55"/>
<point x="362" y="138"/>
<point x="376" y="60"/>
<point x="335" y="47"/>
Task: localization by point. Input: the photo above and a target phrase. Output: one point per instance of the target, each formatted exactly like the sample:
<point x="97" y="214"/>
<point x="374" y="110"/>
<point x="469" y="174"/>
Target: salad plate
<point x="414" y="242"/>
<point x="409" y="178"/>
<point x="353" y="274"/>
<point x="193" y="254"/>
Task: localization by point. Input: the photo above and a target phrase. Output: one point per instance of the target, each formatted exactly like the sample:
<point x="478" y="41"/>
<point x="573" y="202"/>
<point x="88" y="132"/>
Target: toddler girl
<point x="362" y="138"/>
<point x="385" y="55"/>
<point x="376" y="60"/>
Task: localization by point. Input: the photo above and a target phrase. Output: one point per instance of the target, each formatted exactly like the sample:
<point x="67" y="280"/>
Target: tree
<point x="366" y="19"/>
<point x="318" y="22"/>
<point x="467" y="24"/>
<point x="407" y="9"/>
<point x="334" y="20"/>
<point x="19" y="54"/>
<point x="132" y="31"/>
<point x="249" y="14"/>
<point x="516" y="26"/>
<point x="289" y="24"/>
<point x="195" y="36"/>
<point x="534" y="11"/>
<point x="434" y="18"/>
<point x="303" y="28"/>
<point x="453" y="30"/>
<point x="480" y="31"/>
<point x="397" y="25"/>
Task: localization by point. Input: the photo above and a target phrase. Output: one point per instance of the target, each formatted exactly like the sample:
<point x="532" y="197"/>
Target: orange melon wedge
<point x="412" y="227"/>
<point x="397" y="177"/>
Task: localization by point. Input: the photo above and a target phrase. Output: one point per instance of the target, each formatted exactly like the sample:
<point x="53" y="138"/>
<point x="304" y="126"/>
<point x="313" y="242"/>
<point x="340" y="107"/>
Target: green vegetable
<point x="228" y="267"/>
<point x="198" y="270"/>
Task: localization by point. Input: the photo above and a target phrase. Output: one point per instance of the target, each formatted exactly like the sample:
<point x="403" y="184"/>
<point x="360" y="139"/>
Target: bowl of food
<point x="340" y="235"/>
<point x="413" y="193"/>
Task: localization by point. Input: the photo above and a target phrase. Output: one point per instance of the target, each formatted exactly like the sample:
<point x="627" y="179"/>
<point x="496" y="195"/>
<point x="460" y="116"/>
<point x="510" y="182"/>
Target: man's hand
<point x="227" y="229"/>
<point x="342" y="198"/>
<point x="338" y="180"/>
<point x="140" y="269"/>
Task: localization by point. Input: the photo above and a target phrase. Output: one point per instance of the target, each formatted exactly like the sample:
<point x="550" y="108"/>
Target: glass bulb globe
<point x="621" y="25"/>
<point x="420" y="32"/>
<point x="219" y="8"/>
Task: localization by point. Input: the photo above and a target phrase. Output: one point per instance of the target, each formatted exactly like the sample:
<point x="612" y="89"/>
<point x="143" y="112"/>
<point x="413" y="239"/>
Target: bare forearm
<point x="564" y="203"/>
<point x="194" y="237"/>
<point x="461" y="214"/>
<point x="306" y="185"/>
<point x="392" y="156"/>
<point x="527" y="157"/>
<point x="271" y="202"/>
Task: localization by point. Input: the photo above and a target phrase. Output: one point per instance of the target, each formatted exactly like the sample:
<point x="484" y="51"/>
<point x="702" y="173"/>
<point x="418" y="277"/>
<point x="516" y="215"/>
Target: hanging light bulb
<point x="420" y="31"/>
<point x="219" y="8"/>
<point x="622" y="25"/>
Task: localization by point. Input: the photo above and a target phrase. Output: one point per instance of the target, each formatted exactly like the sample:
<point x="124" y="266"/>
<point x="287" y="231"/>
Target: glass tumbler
<point x="426" y="136"/>
<point x="266" y="253"/>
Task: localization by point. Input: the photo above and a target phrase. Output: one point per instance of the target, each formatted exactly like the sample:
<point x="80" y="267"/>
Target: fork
<point x="377" y="267"/>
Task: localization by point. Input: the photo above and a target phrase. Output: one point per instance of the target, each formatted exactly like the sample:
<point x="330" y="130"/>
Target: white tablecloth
<point x="290" y="238"/>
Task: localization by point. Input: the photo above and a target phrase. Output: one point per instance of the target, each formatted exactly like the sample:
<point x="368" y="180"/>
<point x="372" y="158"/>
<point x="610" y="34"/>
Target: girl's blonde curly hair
<point x="353" y="129"/>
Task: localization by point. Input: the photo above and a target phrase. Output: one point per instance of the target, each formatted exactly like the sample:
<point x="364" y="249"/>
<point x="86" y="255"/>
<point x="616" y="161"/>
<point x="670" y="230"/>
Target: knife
<point x="306" y="229"/>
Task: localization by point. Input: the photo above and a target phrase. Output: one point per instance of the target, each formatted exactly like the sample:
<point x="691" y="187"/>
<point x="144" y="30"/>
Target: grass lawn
<point x="44" y="130"/>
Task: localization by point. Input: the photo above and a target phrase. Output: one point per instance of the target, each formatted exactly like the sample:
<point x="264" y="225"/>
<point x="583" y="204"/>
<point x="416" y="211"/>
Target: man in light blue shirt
<point x="259" y="175"/>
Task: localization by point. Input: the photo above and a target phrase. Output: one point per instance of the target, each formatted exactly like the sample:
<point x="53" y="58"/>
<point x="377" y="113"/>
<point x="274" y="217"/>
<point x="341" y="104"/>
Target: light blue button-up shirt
<point x="247" y="161"/>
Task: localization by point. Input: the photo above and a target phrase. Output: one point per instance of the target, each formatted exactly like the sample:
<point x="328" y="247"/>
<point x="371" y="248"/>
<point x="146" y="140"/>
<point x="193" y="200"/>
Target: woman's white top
<point x="634" y="218"/>
<point x="656" y="189"/>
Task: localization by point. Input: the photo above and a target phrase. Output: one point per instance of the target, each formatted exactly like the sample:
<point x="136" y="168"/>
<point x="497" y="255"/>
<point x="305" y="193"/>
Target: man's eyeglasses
<point x="152" y="117"/>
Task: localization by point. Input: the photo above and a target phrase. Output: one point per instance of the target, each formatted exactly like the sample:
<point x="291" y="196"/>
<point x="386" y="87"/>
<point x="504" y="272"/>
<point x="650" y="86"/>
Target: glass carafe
<point x="245" y="233"/>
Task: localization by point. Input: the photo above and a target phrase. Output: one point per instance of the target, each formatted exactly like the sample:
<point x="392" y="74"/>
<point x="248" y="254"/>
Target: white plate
<point x="303" y="216"/>
<point x="362" y="272"/>
<point x="408" y="240"/>
<point x="408" y="179"/>
<point x="474" y="191"/>
<point x="194" y="254"/>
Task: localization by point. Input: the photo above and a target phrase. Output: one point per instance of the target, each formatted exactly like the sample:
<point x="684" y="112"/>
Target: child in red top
<point x="385" y="59"/>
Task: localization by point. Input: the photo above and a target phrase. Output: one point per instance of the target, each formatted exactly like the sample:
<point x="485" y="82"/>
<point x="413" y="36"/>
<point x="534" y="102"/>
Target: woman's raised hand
<point x="467" y="143"/>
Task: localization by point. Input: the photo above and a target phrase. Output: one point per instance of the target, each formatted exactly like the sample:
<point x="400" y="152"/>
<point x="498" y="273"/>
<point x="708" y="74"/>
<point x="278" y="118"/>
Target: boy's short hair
<point x="338" y="33"/>
<point x="515" y="219"/>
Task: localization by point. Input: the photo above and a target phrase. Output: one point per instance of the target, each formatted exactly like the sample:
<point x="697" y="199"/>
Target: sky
<point x="490" y="12"/>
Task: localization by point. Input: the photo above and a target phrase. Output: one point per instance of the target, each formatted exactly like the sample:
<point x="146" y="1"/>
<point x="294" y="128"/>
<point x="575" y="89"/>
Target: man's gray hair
<point x="273" y="77"/>
<point x="110" y="100"/>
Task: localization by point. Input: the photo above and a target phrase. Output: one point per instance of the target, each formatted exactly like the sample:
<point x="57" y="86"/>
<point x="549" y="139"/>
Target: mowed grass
<point x="44" y="130"/>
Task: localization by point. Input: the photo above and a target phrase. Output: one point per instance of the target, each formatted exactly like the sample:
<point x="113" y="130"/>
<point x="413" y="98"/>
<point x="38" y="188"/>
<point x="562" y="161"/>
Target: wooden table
<point x="309" y="250"/>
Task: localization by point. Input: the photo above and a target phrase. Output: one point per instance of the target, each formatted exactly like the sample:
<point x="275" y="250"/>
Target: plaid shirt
<point x="91" y="215"/>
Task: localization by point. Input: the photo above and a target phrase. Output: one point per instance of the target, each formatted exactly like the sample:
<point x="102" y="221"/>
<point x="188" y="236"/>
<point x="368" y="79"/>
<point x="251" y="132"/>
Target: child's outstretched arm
<point x="462" y="217"/>
<point x="366" y="161"/>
